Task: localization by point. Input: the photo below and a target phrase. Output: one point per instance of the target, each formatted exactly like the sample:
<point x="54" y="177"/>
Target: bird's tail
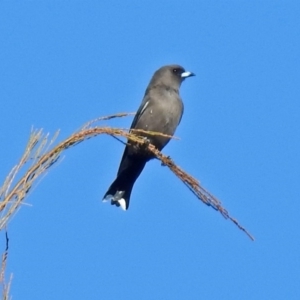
<point x="120" y="190"/>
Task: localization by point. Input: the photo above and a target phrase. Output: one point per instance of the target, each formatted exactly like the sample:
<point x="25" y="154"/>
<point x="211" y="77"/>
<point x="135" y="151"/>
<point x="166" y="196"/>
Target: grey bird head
<point x="171" y="76"/>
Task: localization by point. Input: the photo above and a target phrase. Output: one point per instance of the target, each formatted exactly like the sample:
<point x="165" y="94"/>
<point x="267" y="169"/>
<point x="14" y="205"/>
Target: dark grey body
<point x="161" y="111"/>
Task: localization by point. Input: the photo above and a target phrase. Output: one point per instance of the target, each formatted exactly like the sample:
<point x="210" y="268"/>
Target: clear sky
<point x="63" y="63"/>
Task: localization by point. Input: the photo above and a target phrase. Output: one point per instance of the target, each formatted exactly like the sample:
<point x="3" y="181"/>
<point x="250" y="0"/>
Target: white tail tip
<point x="122" y="203"/>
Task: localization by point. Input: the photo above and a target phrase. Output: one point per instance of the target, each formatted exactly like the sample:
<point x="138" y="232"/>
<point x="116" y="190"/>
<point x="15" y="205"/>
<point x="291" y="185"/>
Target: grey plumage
<point x="161" y="111"/>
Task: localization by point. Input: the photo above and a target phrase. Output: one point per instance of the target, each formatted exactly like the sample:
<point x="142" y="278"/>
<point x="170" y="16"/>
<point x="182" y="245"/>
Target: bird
<point x="161" y="111"/>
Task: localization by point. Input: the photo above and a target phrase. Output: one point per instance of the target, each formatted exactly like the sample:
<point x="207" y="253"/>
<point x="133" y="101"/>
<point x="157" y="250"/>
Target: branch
<point x="37" y="151"/>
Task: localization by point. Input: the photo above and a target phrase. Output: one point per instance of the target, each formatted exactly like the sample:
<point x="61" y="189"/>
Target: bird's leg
<point x="146" y="144"/>
<point x="140" y="147"/>
<point x="143" y="148"/>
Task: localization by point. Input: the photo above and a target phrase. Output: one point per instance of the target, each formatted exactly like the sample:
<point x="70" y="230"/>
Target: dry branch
<point x="5" y="286"/>
<point x="42" y="159"/>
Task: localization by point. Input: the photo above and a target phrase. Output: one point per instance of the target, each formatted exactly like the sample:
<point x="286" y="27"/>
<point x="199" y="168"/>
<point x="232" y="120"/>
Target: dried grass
<point x="41" y="157"/>
<point x="39" y="154"/>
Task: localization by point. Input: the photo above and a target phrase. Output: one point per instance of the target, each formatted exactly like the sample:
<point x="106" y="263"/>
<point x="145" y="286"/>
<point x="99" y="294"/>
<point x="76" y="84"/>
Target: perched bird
<point x="160" y="111"/>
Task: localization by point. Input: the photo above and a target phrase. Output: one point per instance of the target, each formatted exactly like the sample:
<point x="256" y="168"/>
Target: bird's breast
<point x="161" y="113"/>
<point x="163" y="117"/>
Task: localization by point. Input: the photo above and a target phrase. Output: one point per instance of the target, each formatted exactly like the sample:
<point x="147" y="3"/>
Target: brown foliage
<point x="37" y="151"/>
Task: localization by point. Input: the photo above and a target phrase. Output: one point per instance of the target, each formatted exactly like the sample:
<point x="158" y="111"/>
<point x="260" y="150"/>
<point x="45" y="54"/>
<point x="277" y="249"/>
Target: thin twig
<point x="43" y="160"/>
<point x="5" y="286"/>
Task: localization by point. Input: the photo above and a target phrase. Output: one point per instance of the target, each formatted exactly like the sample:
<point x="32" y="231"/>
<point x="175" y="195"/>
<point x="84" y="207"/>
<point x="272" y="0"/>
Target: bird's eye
<point x="175" y="71"/>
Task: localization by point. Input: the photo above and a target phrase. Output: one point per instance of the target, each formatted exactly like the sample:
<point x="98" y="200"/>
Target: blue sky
<point x="64" y="63"/>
